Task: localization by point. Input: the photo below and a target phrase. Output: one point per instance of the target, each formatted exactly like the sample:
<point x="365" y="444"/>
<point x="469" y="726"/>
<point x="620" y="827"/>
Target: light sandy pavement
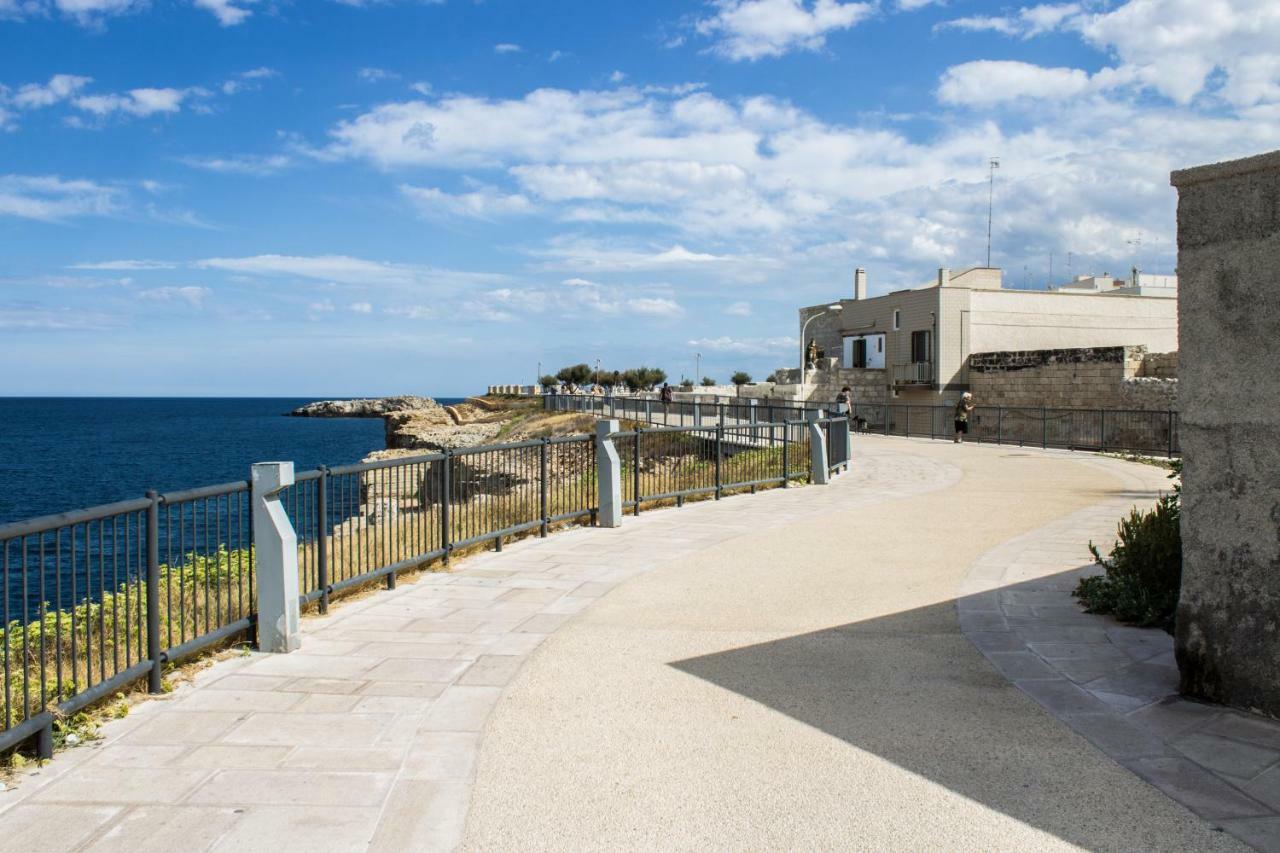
<point x="805" y="685"/>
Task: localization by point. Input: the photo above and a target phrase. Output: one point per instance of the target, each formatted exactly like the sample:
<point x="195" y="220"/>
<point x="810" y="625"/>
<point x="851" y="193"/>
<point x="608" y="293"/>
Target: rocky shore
<point x="373" y="407"/>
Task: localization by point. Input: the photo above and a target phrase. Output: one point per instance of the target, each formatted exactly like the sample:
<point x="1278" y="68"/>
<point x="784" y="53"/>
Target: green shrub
<point x="1144" y="572"/>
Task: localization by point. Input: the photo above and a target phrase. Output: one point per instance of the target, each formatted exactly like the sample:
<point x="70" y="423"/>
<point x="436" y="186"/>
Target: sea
<point x="64" y="453"/>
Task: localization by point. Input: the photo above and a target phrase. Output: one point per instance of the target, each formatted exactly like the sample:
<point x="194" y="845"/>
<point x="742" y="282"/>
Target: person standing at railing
<point x="964" y="408"/>
<point x="843" y="399"/>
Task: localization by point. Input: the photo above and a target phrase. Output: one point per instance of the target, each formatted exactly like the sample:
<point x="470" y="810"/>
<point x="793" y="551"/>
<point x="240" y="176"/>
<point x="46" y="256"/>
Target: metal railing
<point x="97" y="599"/>
<point x="1103" y="430"/>
<point x="915" y="373"/>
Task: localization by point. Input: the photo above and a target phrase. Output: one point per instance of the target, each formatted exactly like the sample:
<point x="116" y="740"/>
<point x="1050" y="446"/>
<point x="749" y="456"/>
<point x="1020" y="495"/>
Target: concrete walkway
<point x="779" y="671"/>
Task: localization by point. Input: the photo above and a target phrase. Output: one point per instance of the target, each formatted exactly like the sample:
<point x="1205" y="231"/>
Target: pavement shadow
<point x="911" y="688"/>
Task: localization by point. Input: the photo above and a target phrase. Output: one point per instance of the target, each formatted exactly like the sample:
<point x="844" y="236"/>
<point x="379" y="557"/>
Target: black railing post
<point x="786" y="463"/>
<point x="1044" y="428"/>
<point x="908" y="420"/>
<point x="720" y="456"/>
<point x="1000" y="425"/>
<point x="1102" y="430"/>
<point x="154" y="677"/>
<point x="322" y="537"/>
<point x="635" y="470"/>
<point x="445" y="489"/>
<point x="542" y="486"/>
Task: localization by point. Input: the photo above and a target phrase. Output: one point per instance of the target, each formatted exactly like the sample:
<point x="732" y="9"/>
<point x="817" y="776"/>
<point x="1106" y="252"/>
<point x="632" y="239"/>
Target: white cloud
<point x="1028" y="22"/>
<point x="138" y="102"/>
<point x="90" y="13"/>
<point x="360" y="308"/>
<point x="749" y="346"/>
<point x="59" y="88"/>
<point x="228" y="12"/>
<point x="246" y="80"/>
<point x="127" y="265"/>
<point x="249" y="164"/>
<point x="507" y="47"/>
<point x="376" y="75"/>
<point x="56" y="319"/>
<point x="738" y="309"/>
<point x="483" y="203"/>
<point x="1174" y="45"/>
<point x="421" y="87"/>
<point x="50" y="198"/>
<point x="654" y="307"/>
<point x="339" y="268"/>
<point x="192" y="295"/>
<point x="754" y="29"/>
<point x="987" y="82"/>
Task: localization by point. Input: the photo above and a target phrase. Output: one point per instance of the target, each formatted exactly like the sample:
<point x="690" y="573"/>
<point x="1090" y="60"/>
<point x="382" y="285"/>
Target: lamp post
<point x="830" y="309"/>
<point x="697" y="369"/>
<point x="597" y="373"/>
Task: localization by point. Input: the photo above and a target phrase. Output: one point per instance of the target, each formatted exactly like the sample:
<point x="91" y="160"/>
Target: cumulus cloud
<point x="228" y="12"/>
<point x="507" y="47"/>
<point x="138" y="102"/>
<point x="59" y="88"/>
<point x="755" y="29"/>
<point x="987" y="82"/>
<point x="91" y="13"/>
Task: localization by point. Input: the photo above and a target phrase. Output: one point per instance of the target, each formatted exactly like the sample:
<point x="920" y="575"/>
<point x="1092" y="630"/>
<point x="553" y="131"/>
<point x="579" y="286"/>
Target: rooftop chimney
<point x="859" y="283"/>
<point x="944" y="277"/>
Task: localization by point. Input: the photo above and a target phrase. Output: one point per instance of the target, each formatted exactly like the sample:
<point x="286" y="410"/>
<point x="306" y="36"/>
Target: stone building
<point x="914" y="345"/>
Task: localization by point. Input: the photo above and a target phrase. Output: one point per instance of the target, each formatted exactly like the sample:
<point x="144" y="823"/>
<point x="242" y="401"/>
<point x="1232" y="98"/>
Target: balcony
<point x="916" y="373"/>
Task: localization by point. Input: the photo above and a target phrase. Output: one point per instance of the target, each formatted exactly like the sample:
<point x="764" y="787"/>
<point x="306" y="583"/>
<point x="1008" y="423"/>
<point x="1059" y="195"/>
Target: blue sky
<point x="223" y="197"/>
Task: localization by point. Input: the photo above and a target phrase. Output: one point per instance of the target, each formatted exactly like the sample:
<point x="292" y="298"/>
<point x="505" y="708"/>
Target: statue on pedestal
<point x="811" y="357"/>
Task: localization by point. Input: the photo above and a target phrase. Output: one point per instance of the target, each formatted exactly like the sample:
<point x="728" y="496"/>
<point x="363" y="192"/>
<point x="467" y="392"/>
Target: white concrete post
<point x="608" y="475"/>
<point x="275" y="546"/>
<point x="817" y="450"/>
<point x="648" y="411"/>
<point x="697" y="413"/>
<point x="751" y="408"/>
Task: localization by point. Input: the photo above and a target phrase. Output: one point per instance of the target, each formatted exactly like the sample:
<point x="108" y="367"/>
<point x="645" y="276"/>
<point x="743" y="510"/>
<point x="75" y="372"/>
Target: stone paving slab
<point x="1114" y="684"/>
<point x="367" y="736"/>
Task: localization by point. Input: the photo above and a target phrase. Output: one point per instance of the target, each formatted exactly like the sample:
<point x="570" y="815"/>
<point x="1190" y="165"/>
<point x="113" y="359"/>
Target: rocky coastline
<point x="368" y="407"/>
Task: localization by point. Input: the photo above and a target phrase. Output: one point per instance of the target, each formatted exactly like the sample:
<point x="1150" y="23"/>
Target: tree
<point x="739" y="379"/>
<point x="651" y="376"/>
<point x="577" y="374"/>
<point x="774" y="377"/>
<point x="707" y="382"/>
<point x="548" y="381"/>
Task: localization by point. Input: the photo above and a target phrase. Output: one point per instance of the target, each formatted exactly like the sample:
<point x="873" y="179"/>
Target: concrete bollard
<point x="275" y="560"/>
<point x="697" y="413"/>
<point x="818" y="472"/>
<point x="608" y="476"/>
<point x="751" y="409"/>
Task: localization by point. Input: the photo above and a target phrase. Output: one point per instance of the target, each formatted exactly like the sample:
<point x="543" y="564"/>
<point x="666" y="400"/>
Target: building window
<point x="920" y="346"/>
<point x="897" y="319"/>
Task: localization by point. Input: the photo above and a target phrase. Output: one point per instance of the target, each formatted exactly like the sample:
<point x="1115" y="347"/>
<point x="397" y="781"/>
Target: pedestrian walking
<point x="964" y="408"/>
<point x="843" y="399"/>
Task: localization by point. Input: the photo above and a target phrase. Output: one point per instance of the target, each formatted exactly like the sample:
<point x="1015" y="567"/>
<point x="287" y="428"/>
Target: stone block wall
<point x="1228" y="623"/>
<point x="1084" y="378"/>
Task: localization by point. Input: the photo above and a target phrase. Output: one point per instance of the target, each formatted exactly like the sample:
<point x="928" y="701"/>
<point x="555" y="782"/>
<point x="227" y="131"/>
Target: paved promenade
<point x="778" y="671"/>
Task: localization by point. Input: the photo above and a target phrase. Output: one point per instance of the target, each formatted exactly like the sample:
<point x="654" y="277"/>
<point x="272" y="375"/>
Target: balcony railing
<point x="916" y="373"/>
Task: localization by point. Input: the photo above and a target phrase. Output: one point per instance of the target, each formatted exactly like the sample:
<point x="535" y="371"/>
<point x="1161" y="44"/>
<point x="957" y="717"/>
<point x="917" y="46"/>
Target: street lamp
<point x="697" y="368"/>
<point x="830" y="309"/>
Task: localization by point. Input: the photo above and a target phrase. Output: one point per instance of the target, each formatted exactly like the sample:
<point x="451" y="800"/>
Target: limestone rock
<point x="375" y="407"/>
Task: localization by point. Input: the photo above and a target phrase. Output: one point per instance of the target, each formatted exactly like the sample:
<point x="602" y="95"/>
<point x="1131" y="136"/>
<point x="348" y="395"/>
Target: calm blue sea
<point x="58" y="454"/>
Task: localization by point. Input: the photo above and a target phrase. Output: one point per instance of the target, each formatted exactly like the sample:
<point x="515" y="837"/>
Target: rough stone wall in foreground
<point x="1085" y="378"/>
<point x="1228" y="625"/>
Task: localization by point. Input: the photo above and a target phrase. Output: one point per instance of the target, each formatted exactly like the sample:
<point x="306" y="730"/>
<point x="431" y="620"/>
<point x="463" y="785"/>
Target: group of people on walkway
<point x="964" y="409"/>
